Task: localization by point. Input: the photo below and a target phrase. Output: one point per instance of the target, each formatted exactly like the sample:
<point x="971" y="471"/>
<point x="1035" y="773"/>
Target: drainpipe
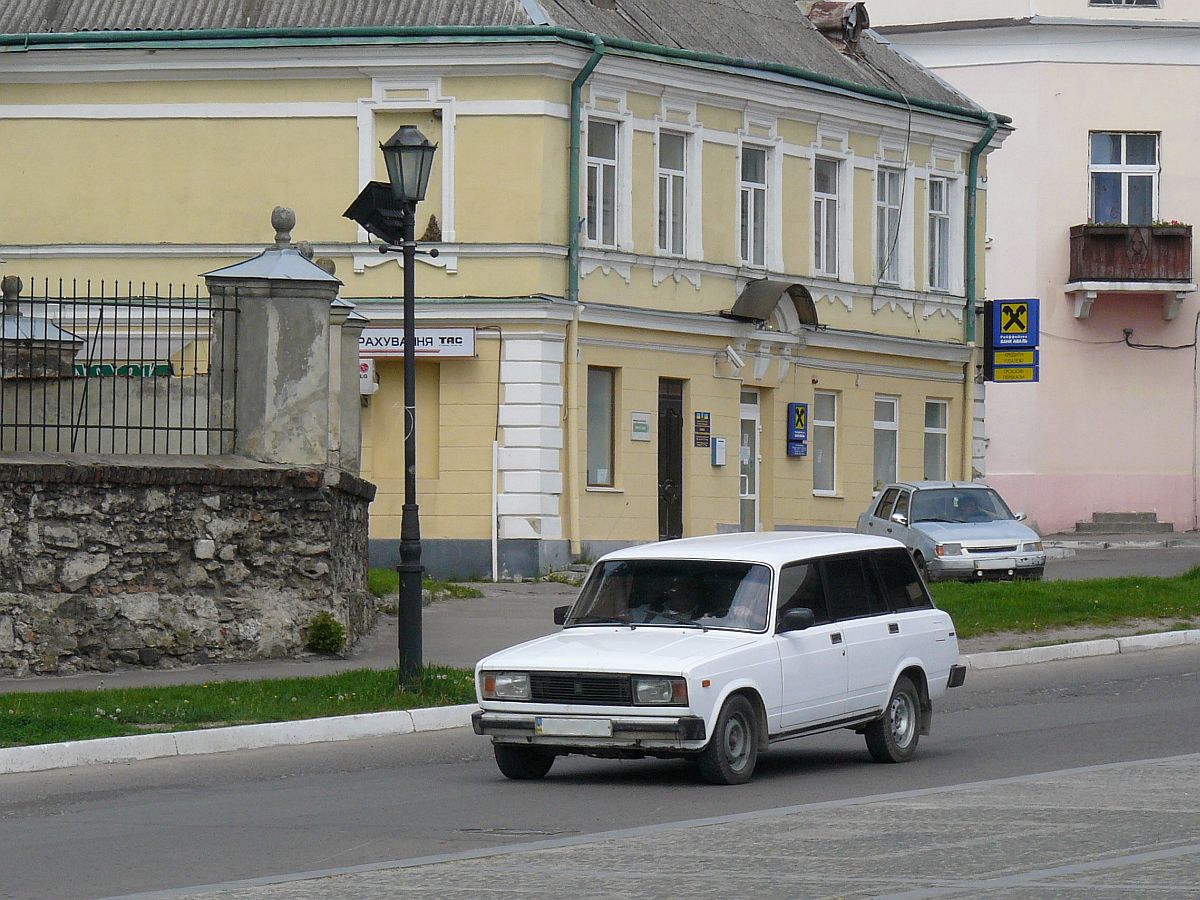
<point x="573" y="185"/>
<point x="571" y="350"/>
<point x="972" y="289"/>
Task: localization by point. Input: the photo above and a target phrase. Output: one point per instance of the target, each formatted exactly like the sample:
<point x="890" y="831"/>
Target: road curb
<point x="44" y="757"/>
<point x="1105" y="647"/>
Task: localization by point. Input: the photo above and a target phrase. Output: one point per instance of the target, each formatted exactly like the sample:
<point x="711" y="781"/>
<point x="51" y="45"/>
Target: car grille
<point x="586" y="690"/>
<point x="1006" y="548"/>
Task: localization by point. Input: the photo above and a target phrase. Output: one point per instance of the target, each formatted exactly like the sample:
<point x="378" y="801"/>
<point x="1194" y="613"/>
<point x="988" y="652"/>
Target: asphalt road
<point x="1119" y="562"/>
<point x="174" y="823"/>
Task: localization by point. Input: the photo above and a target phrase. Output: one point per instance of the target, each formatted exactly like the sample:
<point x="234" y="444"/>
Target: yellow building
<point x="775" y="223"/>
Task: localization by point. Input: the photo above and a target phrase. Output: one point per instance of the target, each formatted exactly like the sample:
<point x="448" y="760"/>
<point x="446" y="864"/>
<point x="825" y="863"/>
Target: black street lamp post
<point x="391" y="214"/>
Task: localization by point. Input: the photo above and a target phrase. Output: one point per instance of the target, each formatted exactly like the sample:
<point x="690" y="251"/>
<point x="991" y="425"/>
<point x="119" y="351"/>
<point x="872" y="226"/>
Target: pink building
<point x="1090" y="211"/>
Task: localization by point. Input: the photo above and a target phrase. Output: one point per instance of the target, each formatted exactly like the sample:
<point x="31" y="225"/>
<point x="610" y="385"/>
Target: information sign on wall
<point x="703" y="429"/>
<point x="441" y="343"/>
<point x="797" y="429"/>
<point x="1011" y="335"/>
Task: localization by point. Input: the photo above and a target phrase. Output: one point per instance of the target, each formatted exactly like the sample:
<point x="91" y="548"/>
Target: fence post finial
<point x="11" y="286"/>
<point x="283" y="220"/>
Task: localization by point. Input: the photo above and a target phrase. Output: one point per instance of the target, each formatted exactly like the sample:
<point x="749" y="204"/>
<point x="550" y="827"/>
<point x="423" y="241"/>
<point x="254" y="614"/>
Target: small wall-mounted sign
<point x="797" y="429"/>
<point x="703" y="429"/>
<point x="443" y="343"/>
<point x="640" y="426"/>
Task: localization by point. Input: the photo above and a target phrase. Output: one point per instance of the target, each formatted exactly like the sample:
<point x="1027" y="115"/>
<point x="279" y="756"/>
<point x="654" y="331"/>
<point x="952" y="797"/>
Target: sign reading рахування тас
<point x="381" y="343"/>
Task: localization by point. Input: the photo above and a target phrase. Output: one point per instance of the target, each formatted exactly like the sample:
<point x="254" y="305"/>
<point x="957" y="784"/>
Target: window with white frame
<point x="825" y="216"/>
<point x="601" y="403"/>
<point x="939" y="234"/>
<point x="672" y="188"/>
<point x="887" y="439"/>
<point x="1124" y="175"/>
<point x="824" y="442"/>
<point x="601" y="221"/>
<point x="937" y="439"/>
<point x="1150" y="4"/>
<point x="753" y="206"/>
<point x="889" y="192"/>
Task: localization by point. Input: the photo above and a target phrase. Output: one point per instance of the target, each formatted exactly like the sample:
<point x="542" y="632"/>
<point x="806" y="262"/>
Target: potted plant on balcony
<point x="1170" y="227"/>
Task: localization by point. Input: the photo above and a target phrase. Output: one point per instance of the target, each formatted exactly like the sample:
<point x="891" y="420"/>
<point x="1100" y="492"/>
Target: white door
<point x="748" y="460"/>
<point x="813" y="661"/>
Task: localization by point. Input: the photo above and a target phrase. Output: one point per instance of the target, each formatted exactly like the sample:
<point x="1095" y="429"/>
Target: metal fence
<point x="116" y="369"/>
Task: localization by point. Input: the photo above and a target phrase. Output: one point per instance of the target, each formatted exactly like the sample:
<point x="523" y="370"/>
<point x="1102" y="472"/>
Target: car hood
<point x="647" y="649"/>
<point x="1009" y="530"/>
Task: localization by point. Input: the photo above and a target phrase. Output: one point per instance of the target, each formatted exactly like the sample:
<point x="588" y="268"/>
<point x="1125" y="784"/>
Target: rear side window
<point x="884" y="509"/>
<point x="851" y="589"/>
<point x="900" y="580"/>
<point x="800" y="588"/>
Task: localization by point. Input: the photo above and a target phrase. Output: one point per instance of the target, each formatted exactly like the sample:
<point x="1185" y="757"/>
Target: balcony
<point x="1130" y="259"/>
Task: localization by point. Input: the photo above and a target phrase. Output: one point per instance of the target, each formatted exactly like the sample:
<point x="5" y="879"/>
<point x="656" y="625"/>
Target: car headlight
<point x="1032" y="547"/>
<point x="505" y="685"/>
<point x="949" y="550"/>
<point x="659" y="690"/>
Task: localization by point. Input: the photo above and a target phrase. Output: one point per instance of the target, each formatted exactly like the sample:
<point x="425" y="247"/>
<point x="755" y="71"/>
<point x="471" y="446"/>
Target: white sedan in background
<point x="956" y="530"/>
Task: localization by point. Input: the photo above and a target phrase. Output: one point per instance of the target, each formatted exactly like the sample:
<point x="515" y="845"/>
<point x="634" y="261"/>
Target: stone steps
<point x="1124" y="522"/>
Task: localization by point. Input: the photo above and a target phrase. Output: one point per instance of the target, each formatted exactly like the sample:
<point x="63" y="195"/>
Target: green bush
<point x="325" y="634"/>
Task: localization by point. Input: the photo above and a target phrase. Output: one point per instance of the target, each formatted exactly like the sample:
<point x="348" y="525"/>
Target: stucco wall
<point x="154" y="561"/>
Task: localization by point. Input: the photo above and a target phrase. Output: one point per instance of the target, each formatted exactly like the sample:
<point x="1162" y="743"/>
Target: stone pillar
<point x="282" y="350"/>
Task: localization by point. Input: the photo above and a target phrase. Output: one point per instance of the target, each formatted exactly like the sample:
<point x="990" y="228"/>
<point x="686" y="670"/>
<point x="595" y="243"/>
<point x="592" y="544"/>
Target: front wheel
<point x="522" y="763"/>
<point x="893" y="737"/>
<point x="732" y="752"/>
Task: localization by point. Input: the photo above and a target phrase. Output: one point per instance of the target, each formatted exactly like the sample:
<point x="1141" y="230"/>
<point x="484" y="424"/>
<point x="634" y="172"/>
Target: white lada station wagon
<point x="713" y="648"/>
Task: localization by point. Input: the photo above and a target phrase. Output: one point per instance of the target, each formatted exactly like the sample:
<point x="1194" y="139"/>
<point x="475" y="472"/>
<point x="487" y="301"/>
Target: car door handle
<point x="835" y="638"/>
<point x="893" y="628"/>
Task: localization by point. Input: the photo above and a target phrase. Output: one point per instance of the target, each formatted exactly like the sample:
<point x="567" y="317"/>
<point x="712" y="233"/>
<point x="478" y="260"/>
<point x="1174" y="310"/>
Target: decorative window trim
<point x="399" y="95"/>
<point x="607" y="104"/>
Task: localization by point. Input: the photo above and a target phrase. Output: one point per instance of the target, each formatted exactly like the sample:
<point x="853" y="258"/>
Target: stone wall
<point x="165" y="561"/>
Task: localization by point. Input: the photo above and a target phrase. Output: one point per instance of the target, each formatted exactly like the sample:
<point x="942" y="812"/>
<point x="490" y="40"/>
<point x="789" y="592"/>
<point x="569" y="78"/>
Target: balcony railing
<point x="1134" y="253"/>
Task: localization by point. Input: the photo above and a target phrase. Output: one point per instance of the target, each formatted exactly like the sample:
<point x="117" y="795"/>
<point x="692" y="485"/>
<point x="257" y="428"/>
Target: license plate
<point x="989" y="565"/>
<point x="561" y="727"/>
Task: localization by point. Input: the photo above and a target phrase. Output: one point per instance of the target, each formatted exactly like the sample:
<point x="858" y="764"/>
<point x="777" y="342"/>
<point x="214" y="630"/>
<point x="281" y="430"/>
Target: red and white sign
<point x="440" y="343"/>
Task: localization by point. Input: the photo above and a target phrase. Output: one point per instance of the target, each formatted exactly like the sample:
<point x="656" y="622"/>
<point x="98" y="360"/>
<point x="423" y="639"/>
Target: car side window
<point x="850" y="589"/>
<point x="800" y="588"/>
<point x="886" y="502"/>
<point x="900" y="580"/>
<point x="901" y="507"/>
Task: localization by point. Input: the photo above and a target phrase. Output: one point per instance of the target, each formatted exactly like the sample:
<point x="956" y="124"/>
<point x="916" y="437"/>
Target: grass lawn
<point x="1025" y="606"/>
<point x="977" y="609"/>
<point x="37" y="718"/>
<point x="385" y="582"/>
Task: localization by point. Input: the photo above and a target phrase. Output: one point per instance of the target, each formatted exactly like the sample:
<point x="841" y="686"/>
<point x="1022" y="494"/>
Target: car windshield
<point x="675" y="592"/>
<point x="958" y="505"/>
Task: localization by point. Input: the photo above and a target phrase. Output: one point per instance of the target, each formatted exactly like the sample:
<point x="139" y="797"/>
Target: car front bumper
<point x="977" y="567"/>
<point x="593" y="732"/>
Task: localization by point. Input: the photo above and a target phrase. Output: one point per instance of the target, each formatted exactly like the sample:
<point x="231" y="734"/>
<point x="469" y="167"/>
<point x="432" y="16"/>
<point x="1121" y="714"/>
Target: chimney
<point x="840" y="22"/>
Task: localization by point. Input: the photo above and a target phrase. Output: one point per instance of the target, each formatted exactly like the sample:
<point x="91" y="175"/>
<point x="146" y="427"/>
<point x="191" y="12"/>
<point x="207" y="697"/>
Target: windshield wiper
<point x="600" y="620"/>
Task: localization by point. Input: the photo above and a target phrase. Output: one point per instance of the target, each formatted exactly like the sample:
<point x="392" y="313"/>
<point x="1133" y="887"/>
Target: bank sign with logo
<point x="439" y="343"/>
<point x="1011" y="341"/>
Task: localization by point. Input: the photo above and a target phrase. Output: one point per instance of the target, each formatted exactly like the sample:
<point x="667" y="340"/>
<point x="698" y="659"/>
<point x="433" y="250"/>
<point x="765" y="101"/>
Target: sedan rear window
<point x="670" y="592"/>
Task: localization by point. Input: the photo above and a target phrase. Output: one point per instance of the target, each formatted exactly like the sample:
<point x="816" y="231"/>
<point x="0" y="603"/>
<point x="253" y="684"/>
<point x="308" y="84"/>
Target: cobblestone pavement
<point x="1115" y="831"/>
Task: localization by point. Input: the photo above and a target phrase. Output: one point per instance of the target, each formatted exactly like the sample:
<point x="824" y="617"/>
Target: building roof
<point x="774" y="32"/>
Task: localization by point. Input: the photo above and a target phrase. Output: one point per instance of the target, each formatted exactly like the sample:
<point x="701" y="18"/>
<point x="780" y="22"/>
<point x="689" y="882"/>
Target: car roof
<point x="927" y="485"/>
<point x="775" y="548"/>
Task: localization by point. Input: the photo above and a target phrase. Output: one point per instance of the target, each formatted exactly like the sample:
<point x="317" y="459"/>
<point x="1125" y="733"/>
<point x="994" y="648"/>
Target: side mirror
<point x="1020" y="517"/>
<point x="900" y="519"/>
<point x="560" y="614"/>
<point x="797" y="620"/>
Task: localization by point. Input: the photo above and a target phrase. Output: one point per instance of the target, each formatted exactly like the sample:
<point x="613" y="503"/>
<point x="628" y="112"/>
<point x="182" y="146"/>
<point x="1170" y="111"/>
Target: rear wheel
<point x="893" y="737"/>
<point x="522" y="763"/>
<point x="732" y="752"/>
